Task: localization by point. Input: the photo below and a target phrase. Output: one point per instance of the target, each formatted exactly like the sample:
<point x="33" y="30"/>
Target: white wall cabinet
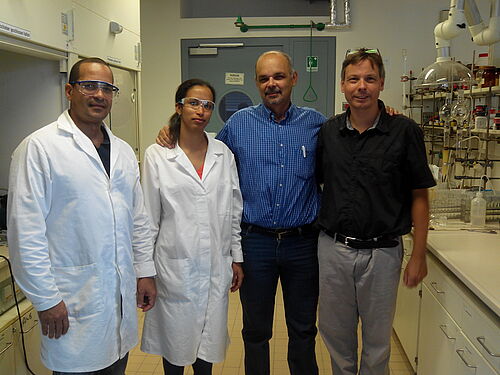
<point x="458" y="335"/>
<point x="42" y="20"/>
<point x="127" y="13"/>
<point x="93" y="38"/>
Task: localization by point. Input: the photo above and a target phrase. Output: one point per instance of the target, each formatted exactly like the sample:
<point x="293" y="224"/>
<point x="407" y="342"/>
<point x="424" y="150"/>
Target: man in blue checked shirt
<point x="274" y="144"/>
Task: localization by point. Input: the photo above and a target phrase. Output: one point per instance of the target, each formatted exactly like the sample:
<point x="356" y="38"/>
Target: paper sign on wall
<point x="235" y="79"/>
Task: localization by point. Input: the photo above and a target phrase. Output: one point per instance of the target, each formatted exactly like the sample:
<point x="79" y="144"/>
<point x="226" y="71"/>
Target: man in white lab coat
<point x="79" y="236"/>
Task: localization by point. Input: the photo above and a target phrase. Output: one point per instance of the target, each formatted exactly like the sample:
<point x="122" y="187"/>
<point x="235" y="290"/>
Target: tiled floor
<point x="144" y="364"/>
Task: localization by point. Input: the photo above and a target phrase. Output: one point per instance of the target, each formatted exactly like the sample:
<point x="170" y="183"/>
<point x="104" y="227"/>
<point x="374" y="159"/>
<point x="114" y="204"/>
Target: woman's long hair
<point x="175" y="120"/>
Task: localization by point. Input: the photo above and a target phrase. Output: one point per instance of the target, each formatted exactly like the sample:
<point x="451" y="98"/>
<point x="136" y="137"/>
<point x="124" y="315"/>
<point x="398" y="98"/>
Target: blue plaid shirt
<point x="276" y="163"/>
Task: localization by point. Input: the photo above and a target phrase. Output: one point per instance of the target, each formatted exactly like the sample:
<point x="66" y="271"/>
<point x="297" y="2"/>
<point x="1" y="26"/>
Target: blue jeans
<point x="294" y="261"/>
<point x="117" y="368"/>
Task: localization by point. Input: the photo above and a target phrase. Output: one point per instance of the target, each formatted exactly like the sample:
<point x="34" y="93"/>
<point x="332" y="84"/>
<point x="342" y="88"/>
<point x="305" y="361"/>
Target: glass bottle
<point x="478" y="211"/>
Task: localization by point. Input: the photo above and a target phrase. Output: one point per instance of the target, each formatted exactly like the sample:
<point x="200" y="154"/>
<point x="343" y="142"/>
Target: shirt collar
<point x="270" y="115"/>
<point x="379" y="123"/>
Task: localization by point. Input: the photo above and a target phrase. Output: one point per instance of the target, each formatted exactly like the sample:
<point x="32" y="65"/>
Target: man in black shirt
<point x="375" y="175"/>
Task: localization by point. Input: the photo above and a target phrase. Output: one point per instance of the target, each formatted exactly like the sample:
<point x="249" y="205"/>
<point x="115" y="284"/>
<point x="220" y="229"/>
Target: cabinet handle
<point x="443" y="327"/>
<point x="460" y="353"/>
<point x="29" y="330"/>
<point x="5" y="349"/>
<point x="433" y="284"/>
<point x="482" y="340"/>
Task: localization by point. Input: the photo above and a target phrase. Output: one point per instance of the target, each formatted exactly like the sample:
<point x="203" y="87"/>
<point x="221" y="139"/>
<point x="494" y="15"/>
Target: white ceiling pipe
<point x="482" y="35"/>
<point x="449" y="29"/>
<point x="333" y="24"/>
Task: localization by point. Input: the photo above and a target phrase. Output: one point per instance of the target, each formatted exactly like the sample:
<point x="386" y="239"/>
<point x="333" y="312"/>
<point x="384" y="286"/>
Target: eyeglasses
<point x="352" y="51"/>
<point x="207" y="105"/>
<point x="89" y="88"/>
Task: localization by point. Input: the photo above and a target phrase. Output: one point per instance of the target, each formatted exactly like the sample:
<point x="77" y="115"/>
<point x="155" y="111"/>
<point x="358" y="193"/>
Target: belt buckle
<point x="347" y="239"/>
<point x="281" y="234"/>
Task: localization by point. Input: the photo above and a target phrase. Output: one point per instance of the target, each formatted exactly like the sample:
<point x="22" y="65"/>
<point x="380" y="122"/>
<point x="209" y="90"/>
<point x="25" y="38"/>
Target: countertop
<point x="474" y="258"/>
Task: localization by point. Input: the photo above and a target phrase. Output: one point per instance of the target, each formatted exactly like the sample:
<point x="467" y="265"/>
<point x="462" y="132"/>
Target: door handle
<point x="460" y="353"/>
<point x="482" y="340"/>
<point x="434" y="286"/>
<point x="443" y="327"/>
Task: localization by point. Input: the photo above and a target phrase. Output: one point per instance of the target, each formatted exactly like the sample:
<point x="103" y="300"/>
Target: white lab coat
<point x="196" y="224"/>
<point x="79" y="236"/>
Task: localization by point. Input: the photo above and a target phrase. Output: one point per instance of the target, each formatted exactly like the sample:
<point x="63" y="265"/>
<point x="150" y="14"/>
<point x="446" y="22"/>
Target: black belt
<point x="281" y="232"/>
<point x="371" y="243"/>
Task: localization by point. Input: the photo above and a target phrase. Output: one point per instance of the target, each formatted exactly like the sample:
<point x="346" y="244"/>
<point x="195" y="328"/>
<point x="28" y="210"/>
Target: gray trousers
<point x="357" y="284"/>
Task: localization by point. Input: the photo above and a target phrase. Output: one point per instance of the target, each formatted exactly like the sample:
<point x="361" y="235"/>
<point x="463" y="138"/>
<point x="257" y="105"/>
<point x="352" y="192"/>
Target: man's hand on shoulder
<point x="392" y="111"/>
<point x="54" y="321"/>
<point x="163" y="138"/>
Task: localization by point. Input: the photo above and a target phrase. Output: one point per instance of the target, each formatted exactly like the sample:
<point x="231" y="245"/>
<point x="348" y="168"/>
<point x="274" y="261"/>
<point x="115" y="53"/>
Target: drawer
<point x="469" y="360"/>
<point x="482" y="328"/>
<point x="442" y="286"/>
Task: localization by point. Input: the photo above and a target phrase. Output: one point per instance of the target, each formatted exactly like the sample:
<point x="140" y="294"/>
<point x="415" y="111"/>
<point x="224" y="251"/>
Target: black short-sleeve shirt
<point x="369" y="177"/>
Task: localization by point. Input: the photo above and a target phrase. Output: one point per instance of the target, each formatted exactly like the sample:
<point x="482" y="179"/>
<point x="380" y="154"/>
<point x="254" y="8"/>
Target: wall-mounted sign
<point x="14" y="30"/>
<point x="311" y="63"/>
<point x="235" y="79"/>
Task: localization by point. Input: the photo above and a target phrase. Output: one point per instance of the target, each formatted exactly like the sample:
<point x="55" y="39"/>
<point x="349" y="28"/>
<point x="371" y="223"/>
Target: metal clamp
<point x="482" y="340"/>
<point x="460" y="353"/>
<point x="443" y="327"/>
<point x="433" y="284"/>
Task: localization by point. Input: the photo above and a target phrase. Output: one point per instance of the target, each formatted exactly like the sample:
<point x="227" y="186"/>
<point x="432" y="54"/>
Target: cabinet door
<point x="118" y="49"/>
<point x="32" y="342"/>
<point x="39" y="21"/>
<point x="123" y="119"/>
<point x="7" y="351"/>
<point x="406" y="318"/>
<point x="437" y="339"/>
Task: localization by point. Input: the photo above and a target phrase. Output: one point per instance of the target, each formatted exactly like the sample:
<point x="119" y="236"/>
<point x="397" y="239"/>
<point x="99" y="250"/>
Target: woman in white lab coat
<point x="193" y="198"/>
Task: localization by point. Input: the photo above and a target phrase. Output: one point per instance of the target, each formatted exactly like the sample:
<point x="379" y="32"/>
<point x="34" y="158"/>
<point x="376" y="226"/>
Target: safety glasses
<point x="207" y="105"/>
<point x="352" y="51"/>
<point x="89" y="88"/>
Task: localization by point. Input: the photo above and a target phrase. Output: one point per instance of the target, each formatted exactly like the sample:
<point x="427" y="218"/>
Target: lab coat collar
<point x="66" y="124"/>
<point x="214" y="151"/>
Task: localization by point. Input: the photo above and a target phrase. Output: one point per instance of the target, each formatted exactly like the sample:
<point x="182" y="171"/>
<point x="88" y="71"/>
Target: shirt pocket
<point x="81" y="289"/>
<point x="304" y="161"/>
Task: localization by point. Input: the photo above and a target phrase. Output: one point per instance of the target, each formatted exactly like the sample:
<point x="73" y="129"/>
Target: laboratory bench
<point x="450" y="323"/>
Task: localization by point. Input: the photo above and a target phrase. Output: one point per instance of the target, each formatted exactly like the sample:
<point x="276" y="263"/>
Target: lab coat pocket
<point x="175" y="281"/>
<point x="81" y="289"/>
